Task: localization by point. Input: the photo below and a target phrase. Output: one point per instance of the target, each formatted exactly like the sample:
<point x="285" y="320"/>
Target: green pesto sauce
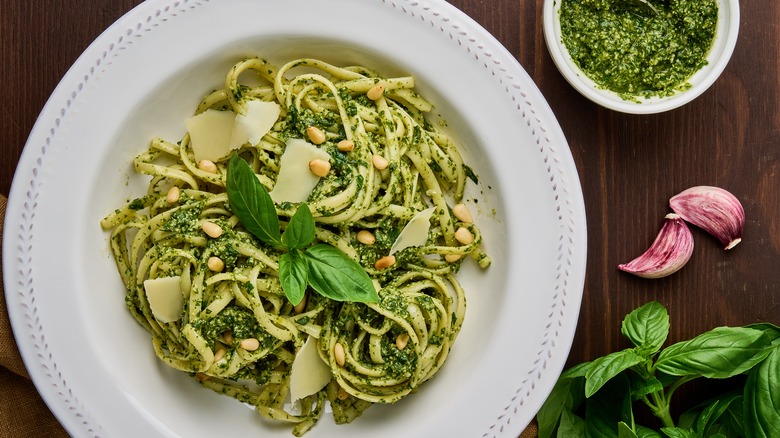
<point x="183" y="221"/>
<point x="398" y="364"/>
<point x="635" y="55"/>
<point x="238" y="321"/>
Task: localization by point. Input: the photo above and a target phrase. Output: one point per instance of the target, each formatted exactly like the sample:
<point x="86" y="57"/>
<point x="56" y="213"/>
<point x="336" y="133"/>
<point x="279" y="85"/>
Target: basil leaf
<point x="566" y="396"/>
<point x="604" y="368"/>
<point x="703" y="417"/>
<point x="293" y="274"/>
<point x="717" y="354"/>
<point x="733" y="418"/>
<point x="677" y="432"/>
<point x="576" y="371"/>
<point x="608" y="407"/>
<point x="770" y="330"/>
<point x="300" y="230"/>
<point x="251" y="203"/>
<point x="715" y="416"/>
<point x="647" y="327"/>
<point x="641" y="387"/>
<point x="625" y="431"/>
<point x="599" y="420"/>
<point x="646" y="432"/>
<point x="571" y="426"/>
<point x="710" y="415"/>
<point x="336" y="276"/>
<point x="762" y="398"/>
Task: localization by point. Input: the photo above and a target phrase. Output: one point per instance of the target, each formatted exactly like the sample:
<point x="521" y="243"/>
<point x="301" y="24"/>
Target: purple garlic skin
<point x="714" y="210"/>
<point x="670" y="251"/>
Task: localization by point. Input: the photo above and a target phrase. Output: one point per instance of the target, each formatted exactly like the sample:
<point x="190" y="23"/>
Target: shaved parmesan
<point x="309" y="372"/>
<point x="415" y="233"/>
<point x="214" y="134"/>
<point x="165" y="298"/>
<point x="250" y="127"/>
<point x="210" y="133"/>
<point x="295" y="181"/>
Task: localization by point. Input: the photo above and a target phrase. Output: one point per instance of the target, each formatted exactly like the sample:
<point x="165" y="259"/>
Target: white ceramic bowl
<point x="719" y="55"/>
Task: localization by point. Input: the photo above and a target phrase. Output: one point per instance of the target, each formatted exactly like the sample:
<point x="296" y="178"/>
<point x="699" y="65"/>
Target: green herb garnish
<point x="596" y="398"/>
<point x="326" y="269"/>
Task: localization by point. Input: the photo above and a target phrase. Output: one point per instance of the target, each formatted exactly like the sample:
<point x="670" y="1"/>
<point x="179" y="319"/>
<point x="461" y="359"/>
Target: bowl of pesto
<point x="641" y="56"/>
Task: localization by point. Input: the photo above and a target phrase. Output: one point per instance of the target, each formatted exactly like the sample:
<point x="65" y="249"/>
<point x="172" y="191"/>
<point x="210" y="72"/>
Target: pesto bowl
<point x="725" y="38"/>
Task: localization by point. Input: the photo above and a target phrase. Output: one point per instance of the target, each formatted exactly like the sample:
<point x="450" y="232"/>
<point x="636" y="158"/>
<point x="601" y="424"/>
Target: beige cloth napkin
<point x="22" y="412"/>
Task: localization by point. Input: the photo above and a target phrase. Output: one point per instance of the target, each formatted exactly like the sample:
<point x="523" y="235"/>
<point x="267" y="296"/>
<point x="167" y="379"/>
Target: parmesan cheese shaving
<point x="250" y="127"/>
<point x="165" y="298"/>
<point x="415" y="233"/>
<point x="210" y="133"/>
<point x="309" y="372"/>
<point x="295" y="181"/>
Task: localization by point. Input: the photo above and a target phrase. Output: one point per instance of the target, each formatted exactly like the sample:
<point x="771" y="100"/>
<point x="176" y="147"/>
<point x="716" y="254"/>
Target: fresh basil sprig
<point x="597" y="398"/>
<point x="326" y="269"/>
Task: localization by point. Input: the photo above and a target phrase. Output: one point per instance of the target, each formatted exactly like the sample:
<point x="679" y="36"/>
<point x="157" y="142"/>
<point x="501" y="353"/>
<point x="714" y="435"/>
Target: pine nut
<point x="300" y="307"/>
<point x="339" y="354"/>
<point x="342" y="394"/>
<point x="452" y="258"/>
<point x="379" y="162"/>
<point x="215" y="264"/>
<point x="315" y="134"/>
<point x="173" y="195"/>
<point x="220" y="353"/>
<point x="401" y="340"/>
<point x="366" y="237"/>
<point x="385" y="262"/>
<point x="376" y="91"/>
<point x="319" y="167"/>
<point x="462" y="213"/>
<point x="346" y="145"/>
<point x="249" y="344"/>
<point x="227" y="338"/>
<point x="212" y="229"/>
<point x="207" y="166"/>
<point x="464" y="236"/>
<point x="201" y="377"/>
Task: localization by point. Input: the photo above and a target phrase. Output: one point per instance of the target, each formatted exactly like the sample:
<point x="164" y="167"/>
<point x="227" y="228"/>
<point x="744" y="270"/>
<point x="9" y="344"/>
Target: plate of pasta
<point x="235" y="218"/>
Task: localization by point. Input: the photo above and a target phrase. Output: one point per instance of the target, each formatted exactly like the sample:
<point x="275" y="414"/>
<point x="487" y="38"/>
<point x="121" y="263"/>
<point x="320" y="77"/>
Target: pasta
<point x="234" y="330"/>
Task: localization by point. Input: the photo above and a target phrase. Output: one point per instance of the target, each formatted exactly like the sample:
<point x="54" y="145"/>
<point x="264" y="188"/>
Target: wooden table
<point x="629" y="165"/>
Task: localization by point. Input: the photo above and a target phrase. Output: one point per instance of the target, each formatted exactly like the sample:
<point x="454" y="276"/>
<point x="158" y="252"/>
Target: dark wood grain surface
<point x="629" y="165"/>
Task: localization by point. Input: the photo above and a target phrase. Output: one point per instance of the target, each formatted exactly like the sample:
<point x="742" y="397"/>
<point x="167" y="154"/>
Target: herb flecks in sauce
<point x="637" y="56"/>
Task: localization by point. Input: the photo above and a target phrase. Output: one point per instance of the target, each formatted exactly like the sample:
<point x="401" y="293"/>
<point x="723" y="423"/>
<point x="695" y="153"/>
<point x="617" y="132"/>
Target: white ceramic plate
<point x="143" y="76"/>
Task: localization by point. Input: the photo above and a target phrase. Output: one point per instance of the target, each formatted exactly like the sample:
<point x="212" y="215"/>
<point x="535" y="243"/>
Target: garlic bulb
<point x="670" y="251"/>
<point x="714" y="210"/>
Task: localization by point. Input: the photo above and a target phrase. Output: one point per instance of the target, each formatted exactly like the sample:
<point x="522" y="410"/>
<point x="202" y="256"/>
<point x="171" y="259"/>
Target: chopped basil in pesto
<point x="636" y="55"/>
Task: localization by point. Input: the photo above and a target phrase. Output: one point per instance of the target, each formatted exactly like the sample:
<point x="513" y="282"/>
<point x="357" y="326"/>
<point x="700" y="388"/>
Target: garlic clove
<point x="714" y="210"/>
<point x="670" y="251"/>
